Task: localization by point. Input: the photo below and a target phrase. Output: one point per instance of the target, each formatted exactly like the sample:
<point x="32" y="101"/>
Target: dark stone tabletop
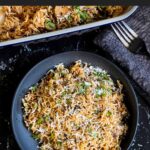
<point x="16" y="61"/>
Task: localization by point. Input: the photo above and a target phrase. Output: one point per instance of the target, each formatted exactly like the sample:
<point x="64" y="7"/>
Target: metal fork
<point x="129" y="38"/>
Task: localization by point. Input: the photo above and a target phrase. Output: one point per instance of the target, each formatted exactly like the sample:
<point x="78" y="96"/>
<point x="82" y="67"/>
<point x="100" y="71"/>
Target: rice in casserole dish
<point x="22" y="21"/>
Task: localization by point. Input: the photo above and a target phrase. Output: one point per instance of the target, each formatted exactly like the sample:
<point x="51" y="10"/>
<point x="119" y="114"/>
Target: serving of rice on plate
<point x="76" y="108"/>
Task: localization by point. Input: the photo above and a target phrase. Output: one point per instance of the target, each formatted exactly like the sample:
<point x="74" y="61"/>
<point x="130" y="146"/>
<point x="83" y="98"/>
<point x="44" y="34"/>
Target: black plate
<point x="23" y="136"/>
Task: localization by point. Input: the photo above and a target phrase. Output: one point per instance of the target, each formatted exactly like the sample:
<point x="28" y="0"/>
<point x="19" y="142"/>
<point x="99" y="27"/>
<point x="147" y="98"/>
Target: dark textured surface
<point x="16" y="61"/>
<point x="137" y="65"/>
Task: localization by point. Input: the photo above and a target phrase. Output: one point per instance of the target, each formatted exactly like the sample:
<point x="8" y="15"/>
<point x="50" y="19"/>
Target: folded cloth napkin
<point x="137" y="65"/>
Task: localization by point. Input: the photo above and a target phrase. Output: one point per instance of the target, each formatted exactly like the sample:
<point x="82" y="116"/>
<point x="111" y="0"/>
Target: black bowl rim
<point x="83" y="52"/>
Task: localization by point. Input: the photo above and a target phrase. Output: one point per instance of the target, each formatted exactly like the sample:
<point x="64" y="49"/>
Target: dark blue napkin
<point x="138" y="66"/>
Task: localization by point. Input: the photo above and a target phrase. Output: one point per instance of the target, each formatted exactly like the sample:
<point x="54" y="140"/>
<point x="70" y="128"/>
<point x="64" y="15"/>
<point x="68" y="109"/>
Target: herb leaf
<point x="83" y="15"/>
<point x="68" y="101"/>
<point x="35" y="136"/>
<point x="52" y="135"/>
<point x="59" y="143"/>
<point x="109" y="114"/>
<point x="49" y="25"/>
<point x="103" y="75"/>
<point x="94" y="134"/>
<point x="40" y="121"/>
<point x="33" y="88"/>
<point x="58" y="101"/>
<point x="98" y="92"/>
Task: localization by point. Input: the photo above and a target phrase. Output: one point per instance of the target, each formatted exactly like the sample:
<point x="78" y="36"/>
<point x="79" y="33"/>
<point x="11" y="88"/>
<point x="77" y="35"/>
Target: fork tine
<point x="126" y="31"/>
<point x="120" y="36"/>
<point x="129" y="29"/>
<point x="123" y="34"/>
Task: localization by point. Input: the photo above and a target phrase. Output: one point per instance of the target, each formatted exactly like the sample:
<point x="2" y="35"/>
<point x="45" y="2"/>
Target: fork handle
<point x="141" y="47"/>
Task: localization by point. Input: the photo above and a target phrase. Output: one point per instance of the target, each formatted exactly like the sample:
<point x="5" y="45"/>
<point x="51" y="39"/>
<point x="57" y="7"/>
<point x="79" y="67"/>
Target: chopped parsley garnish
<point x="52" y="135"/>
<point x="89" y="130"/>
<point x="30" y="126"/>
<point x="40" y="120"/>
<point x="82" y="87"/>
<point x="77" y="127"/>
<point x="59" y="144"/>
<point x="83" y="15"/>
<point x="63" y="74"/>
<point x="102" y="75"/>
<point x="35" y="105"/>
<point x="33" y="88"/>
<point x="102" y="92"/>
<point x="81" y="90"/>
<point x="58" y="101"/>
<point x="77" y="7"/>
<point x="64" y="93"/>
<point x="98" y="92"/>
<point x="68" y="101"/>
<point x="97" y="111"/>
<point x="69" y="18"/>
<point x="47" y="118"/>
<point x="87" y="84"/>
<point x="109" y="114"/>
<point x="35" y="136"/>
<point x="49" y="25"/>
<point x="94" y="134"/>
